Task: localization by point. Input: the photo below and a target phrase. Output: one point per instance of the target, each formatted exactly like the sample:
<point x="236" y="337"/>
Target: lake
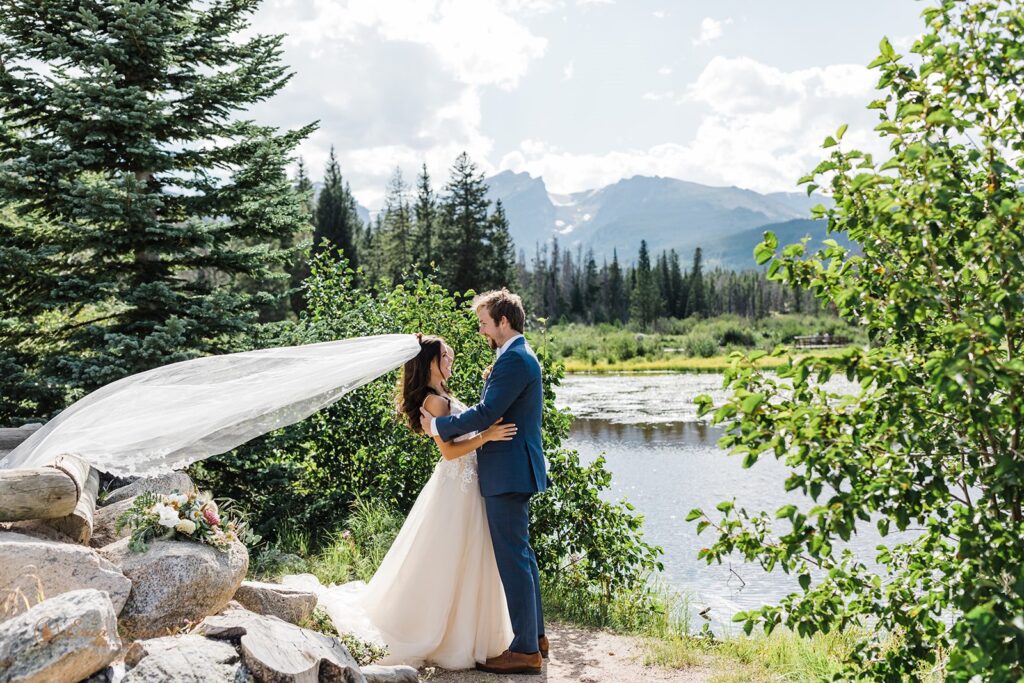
<point x="665" y="462"/>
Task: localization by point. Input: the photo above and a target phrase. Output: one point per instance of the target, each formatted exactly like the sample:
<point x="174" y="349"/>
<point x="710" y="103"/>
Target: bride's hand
<point x="500" y="432"/>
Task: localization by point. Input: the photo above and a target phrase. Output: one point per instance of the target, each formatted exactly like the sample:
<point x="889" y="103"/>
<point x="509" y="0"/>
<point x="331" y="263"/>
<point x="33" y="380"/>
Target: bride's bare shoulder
<point x="436" y="405"/>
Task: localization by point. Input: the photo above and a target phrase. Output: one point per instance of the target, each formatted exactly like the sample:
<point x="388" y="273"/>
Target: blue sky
<point x="581" y="92"/>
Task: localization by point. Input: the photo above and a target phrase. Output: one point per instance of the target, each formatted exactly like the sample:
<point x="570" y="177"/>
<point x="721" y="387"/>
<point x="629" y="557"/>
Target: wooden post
<point x="78" y="525"/>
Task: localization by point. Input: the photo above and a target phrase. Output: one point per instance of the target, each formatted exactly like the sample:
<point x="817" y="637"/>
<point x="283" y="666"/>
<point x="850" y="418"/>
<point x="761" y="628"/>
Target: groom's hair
<point x="501" y="303"/>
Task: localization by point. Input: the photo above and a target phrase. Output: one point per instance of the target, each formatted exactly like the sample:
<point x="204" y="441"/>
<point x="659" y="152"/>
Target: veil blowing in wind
<point x="169" y="417"/>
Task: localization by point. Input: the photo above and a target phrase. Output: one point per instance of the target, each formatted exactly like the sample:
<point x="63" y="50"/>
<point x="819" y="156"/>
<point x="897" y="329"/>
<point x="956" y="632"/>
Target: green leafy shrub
<point x="698" y="345"/>
<point x="929" y="438"/>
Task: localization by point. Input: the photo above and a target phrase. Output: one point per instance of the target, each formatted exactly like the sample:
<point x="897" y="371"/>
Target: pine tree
<point x="300" y="242"/>
<point x="464" y="227"/>
<point x="696" y="303"/>
<point x="396" y="235"/>
<point x="500" y="264"/>
<point x="678" y="302"/>
<point x="426" y="214"/>
<point x="337" y="222"/>
<point x="145" y="198"/>
<point x="645" y="300"/>
<point x="616" y="301"/>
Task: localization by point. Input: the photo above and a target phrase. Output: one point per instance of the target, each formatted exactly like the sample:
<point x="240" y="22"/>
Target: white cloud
<point x="659" y="96"/>
<point x="568" y="72"/>
<point x="710" y="29"/>
<point x="659" y="14"/>
<point x="665" y="71"/>
<point x="396" y="82"/>
<point x="762" y="129"/>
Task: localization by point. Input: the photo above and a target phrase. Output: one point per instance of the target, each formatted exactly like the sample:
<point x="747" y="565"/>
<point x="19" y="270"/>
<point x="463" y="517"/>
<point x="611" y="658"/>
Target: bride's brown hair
<point x="415" y="382"/>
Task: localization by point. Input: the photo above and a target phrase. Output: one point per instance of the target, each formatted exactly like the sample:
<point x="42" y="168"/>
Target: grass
<point x="682" y="345"/>
<point x="677" y="363"/>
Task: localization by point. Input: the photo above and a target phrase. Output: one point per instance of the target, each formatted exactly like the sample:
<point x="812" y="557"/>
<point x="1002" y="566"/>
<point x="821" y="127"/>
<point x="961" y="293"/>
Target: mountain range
<point x="726" y="222"/>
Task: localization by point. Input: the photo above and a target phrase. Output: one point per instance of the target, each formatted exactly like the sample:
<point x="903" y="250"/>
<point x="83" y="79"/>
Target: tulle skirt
<point x="437" y="597"/>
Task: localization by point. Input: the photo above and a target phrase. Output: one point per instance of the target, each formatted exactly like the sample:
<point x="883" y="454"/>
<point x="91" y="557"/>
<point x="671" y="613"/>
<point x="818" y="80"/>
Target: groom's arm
<point x="508" y="379"/>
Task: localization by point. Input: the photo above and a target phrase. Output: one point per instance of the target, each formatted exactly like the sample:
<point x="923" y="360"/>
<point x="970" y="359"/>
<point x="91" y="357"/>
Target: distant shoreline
<point x="718" y="363"/>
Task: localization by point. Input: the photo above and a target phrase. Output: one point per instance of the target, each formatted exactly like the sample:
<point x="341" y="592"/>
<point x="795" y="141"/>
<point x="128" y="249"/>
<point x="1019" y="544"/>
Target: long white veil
<point x="169" y="417"/>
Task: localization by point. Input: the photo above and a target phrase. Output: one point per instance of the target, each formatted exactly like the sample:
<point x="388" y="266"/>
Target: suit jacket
<point x="512" y="391"/>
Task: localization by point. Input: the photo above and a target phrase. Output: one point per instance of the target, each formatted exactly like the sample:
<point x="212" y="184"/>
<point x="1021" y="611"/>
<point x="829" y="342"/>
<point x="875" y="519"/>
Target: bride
<point x="436" y="597"/>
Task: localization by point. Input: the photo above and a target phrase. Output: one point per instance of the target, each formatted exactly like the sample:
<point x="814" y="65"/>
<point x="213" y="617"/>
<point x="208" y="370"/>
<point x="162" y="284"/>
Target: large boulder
<point x="375" y="673"/>
<point x="284" y="602"/>
<point x="174" y="582"/>
<point x="274" y="650"/>
<point x="34" y="569"/>
<point x="66" y="638"/>
<point x="163" y="483"/>
<point x="184" y="658"/>
<point x="105" y="520"/>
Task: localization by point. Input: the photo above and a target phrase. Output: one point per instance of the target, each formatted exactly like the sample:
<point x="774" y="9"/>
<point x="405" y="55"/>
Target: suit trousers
<point x="508" y="518"/>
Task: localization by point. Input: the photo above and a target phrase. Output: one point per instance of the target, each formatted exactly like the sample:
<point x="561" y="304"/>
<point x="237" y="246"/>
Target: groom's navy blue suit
<point x="510" y="472"/>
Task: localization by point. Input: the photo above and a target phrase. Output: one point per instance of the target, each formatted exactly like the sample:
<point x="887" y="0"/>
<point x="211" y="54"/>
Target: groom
<point x="509" y="471"/>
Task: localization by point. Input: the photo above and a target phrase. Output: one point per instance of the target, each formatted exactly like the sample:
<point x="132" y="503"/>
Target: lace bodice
<point x="463" y="469"/>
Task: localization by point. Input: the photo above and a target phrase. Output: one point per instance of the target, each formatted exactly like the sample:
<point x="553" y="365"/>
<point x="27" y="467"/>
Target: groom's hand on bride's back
<point x="425" y="417"/>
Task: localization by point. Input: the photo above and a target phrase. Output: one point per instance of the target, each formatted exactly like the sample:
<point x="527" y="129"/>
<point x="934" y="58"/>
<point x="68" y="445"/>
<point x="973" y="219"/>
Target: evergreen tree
<point x="677" y="304"/>
<point x="464" y="227"/>
<point x="696" y="303"/>
<point x="337" y="221"/>
<point x="616" y="298"/>
<point x="426" y="221"/>
<point x="396" y="234"/>
<point x="645" y="300"/>
<point x="500" y="265"/>
<point x="117" y="124"/>
<point x="298" y="268"/>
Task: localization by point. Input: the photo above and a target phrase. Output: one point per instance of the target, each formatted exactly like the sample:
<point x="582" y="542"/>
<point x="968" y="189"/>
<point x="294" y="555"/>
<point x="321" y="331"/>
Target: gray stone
<point x="290" y="604"/>
<point x="34" y="569"/>
<point x="186" y="658"/>
<point x="375" y="673"/>
<point x="174" y="582"/>
<point x="278" y="652"/>
<point x="105" y="520"/>
<point x="66" y="638"/>
<point x="164" y="483"/>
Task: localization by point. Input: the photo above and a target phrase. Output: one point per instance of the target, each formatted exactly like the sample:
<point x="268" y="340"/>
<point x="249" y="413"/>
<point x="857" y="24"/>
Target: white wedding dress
<point x="436" y="597"/>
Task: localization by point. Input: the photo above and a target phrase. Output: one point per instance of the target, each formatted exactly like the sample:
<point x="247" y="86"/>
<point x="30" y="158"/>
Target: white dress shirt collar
<point x="508" y="343"/>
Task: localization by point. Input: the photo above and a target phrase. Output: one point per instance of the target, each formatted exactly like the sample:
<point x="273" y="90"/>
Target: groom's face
<point x="488" y="328"/>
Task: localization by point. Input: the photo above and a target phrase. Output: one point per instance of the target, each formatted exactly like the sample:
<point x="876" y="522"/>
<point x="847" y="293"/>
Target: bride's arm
<point x="452" y="450"/>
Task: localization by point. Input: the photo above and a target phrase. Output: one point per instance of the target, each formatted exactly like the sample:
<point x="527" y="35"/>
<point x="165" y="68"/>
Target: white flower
<point x="168" y="515"/>
<point x="178" y="498"/>
<point x="185" y="526"/>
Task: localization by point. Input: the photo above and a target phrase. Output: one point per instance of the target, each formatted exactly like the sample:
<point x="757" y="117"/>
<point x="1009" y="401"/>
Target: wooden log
<point x="49" y="492"/>
<point x="36" y="493"/>
<point x="78" y="524"/>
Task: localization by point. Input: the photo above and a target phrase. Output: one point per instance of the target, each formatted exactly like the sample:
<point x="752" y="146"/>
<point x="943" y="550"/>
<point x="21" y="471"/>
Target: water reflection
<point x="592" y="429"/>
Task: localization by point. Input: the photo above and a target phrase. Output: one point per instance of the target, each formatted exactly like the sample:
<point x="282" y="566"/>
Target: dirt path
<point x="581" y="655"/>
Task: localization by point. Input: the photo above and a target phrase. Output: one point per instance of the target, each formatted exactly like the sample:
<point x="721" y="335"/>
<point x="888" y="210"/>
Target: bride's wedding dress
<point x="436" y="597"/>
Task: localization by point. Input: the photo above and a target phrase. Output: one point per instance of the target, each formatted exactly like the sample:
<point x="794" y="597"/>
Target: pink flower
<point x="211" y="517"/>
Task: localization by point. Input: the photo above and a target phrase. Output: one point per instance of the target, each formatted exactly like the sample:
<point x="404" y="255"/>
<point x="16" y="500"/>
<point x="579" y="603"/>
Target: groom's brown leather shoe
<point x="509" y="662"/>
<point x="543" y="645"/>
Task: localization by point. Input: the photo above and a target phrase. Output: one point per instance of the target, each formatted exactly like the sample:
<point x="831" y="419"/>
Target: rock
<point x="176" y="581"/>
<point x="105" y="520"/>
<point x="164" y="483"/>
<point x="183" y="659"/>
<point x="390" y="674"/>
<point x="34" y="569"/>
<point x="274" y="650"/>
<point x="284" y="602"/>
<point x="66" y="638"/>
<point x="39" y="528"/>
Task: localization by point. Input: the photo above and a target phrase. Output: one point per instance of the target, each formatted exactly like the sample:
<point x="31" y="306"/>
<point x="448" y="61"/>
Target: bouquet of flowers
<point x="165" y="516"/>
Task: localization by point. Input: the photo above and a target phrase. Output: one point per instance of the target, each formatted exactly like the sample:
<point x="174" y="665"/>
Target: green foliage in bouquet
<point x="154" y="516"/>
<point x="307" y="476"/>
<point x="928" y="439"/>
